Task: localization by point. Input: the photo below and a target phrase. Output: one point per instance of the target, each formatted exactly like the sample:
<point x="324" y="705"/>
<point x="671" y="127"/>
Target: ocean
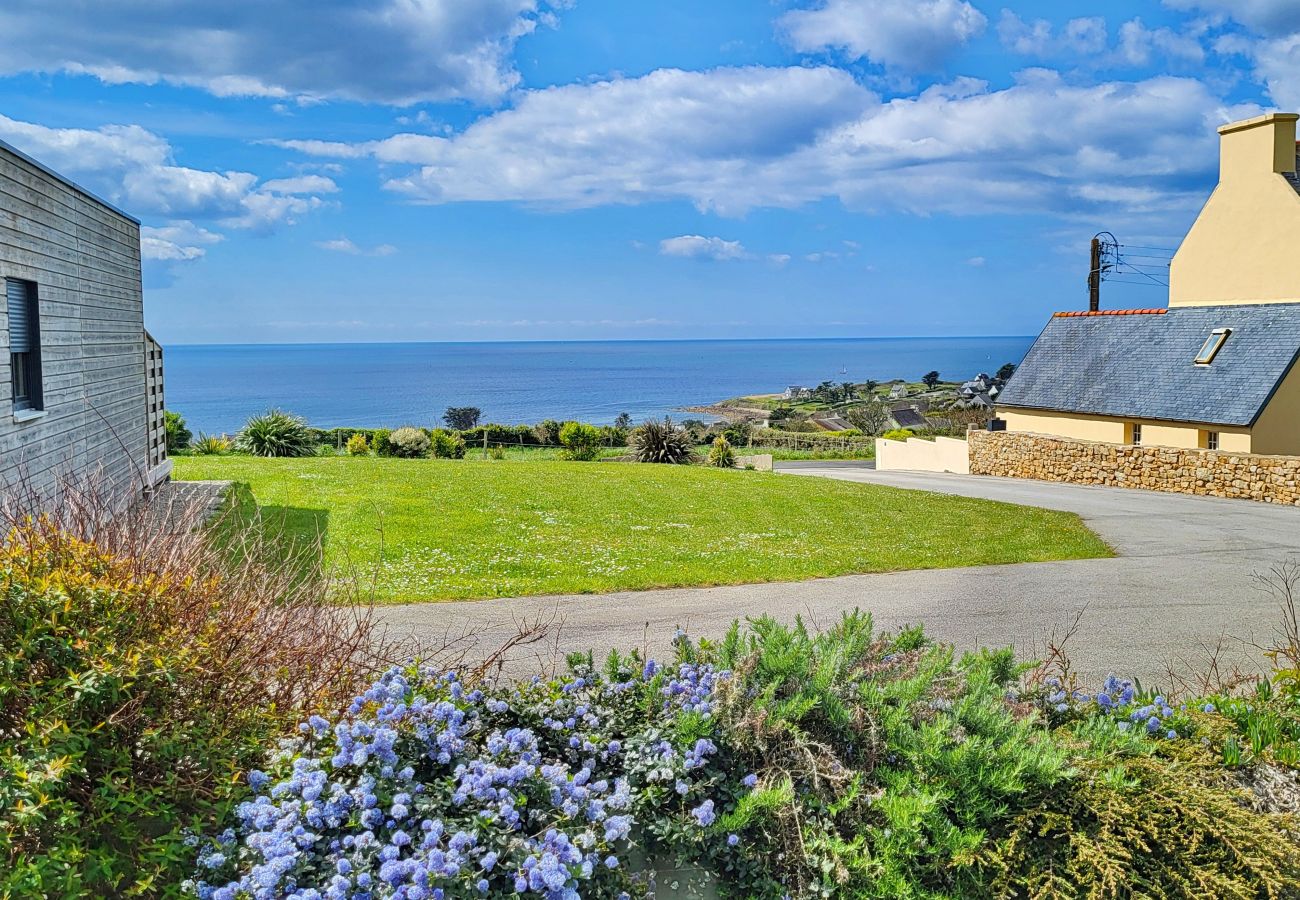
<point x="217" y="387"/>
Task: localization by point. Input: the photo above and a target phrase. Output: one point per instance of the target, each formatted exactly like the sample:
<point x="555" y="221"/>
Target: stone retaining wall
<point x="1270" y="479"/>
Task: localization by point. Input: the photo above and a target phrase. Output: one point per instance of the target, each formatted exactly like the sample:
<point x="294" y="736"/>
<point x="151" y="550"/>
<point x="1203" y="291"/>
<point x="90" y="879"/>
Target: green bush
<point x="177" y="435"/>
<point x="721" y="455"/>
<point x="211" y="445"/>
<point x="661" y="442"/>
<point x="580" y="442"/>
<point x="738" y="433"/>
<point x="548" y="432"/>
<point x="381" y="442"/>
<point x="135" y="686"/>
<point x="358" y="445"/>
<point x="448" y="444"/>
<point x="409" y="443"/>
<point x="276" y="434"/>
<point x="898" y="434"/>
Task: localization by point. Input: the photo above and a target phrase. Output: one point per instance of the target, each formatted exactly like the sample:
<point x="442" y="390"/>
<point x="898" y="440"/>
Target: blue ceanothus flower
<point x="429" y="789"/>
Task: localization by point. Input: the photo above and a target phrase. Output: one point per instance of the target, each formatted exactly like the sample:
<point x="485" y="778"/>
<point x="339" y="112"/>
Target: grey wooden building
<point x="81" y="376"/>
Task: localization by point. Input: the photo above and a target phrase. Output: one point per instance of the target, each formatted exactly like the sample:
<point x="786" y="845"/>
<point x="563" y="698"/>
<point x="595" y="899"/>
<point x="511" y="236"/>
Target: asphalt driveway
<point x="1183" y="581"/>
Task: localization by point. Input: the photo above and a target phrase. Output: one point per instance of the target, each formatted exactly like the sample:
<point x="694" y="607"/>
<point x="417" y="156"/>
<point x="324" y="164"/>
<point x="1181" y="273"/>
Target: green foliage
<point x="461" y="418"/>
<point x="738" y="433"/>
<point x="898" y="434"/>
<point x="894" y="765"/>
<point x="661" y="442"/>
<point x="721" y="455"/>
<point x="177" y="435"/>
<point x="211" y="445"/>
<point x="930" y="379"/>
<point x="134" y="687"/>
<point x="358" y="445"/>
<point x="276" y="434"/>
<point x="381" y="442"/>
<point x="1138" y="818"/>
<point x="496" y="453"/>
<point x="548" y="432"/>
<point x="409" y="443"/>
<point x="580" y="442"/>
<point x="447" y="444"/>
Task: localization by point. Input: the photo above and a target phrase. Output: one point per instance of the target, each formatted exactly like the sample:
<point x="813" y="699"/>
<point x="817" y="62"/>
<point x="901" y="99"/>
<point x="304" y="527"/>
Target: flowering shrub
<point x="428" y="788"/>
<point x="1120" y="702"/>
<point x="358" y="445"/>
<point x="409" y="443"/>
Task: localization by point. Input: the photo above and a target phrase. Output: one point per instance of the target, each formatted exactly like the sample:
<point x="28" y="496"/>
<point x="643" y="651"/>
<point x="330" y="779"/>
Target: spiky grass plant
<point x="721" y="454"/>
<point x="211" y="445"/>
<point x="661" y="442"/>
<point x="276" y="433"/>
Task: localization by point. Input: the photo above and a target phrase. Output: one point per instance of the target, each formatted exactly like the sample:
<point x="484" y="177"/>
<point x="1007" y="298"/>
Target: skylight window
<point x="1213" y="344"/>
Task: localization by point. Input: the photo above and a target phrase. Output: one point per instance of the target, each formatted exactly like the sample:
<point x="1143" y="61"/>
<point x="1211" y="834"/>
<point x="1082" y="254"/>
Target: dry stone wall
<point x="1246" y="476"/>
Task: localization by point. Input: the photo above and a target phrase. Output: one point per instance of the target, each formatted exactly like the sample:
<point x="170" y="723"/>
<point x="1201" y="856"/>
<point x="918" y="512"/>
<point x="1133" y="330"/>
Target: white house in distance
<point x="81" y="376"/>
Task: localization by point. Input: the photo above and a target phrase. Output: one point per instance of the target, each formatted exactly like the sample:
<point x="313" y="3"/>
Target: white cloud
<point x="976" y="262"/>
<point x="1137" y="44"/>
<point x="778" y="259"/>
<point x="729" y="140"/>
<point x="134" y="168"/>
<point x="909" y="35"/>
<point x="1267" y="17"/>
<point x="176" y="242"/>
<point x="1078" y="37"/>
<point x="348" y="246"/>
<point x="700" y="247"/>
<point x="389" y="51"/>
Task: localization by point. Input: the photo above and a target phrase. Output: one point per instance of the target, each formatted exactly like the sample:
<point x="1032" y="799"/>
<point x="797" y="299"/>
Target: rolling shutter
<point x="20" y="333"/>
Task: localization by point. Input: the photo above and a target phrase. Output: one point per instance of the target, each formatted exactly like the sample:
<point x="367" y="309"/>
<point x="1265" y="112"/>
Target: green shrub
<point x="211" y="445"/>
<point x="548" y="432"/>
<point x="381" y="442"/>
<point x="661" y="442"/>
<point x="580" y="442"/>
<point x="177" y="435"/>
<point x="721" y="455"/>
<point x="738" y="433"/>
<point x="409" y="443"/>
<point x="898" y="434"/>
<point x="358" y="445"/>
<point x="276" y="434"/>
<point x="135" y="686"/>
<point x="448" y="444"/>
<point x="497" y="453"/>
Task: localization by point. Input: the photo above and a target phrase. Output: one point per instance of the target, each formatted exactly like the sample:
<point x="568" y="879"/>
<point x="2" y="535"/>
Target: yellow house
<point x="1216" y="369"/>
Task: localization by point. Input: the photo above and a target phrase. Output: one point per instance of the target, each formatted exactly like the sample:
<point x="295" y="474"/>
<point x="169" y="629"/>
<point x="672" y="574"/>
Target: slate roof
<point x="1140" y="364"/>
<point x="907" y="417"/>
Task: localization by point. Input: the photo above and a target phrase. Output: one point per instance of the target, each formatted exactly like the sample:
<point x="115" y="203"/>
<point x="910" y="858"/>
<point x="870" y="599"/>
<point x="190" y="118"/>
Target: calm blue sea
<point x="217" y="387"/>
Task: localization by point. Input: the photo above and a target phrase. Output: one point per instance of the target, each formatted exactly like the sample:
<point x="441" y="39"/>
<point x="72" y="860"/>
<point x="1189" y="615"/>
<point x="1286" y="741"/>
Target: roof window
<point x="1213" y="344"/>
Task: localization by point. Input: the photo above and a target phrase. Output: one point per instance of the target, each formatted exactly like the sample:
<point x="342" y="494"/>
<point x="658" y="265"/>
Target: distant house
<point x="908" y="417"/>
<point x="898" y="392"/>
<point x="82" y="376"/>
<point x="797" y="393"/>
<point x="832" y="423"/>
<point x="1216" y="369"/>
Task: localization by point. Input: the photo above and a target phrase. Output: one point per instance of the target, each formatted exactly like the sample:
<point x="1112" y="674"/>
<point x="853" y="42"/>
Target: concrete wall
<point x="942" y="454"/>
<point x="1268" y="479"/>
<point x="85" y="260"/>
<point x="1241" y="249"/>
<point x="1108" y="429"/>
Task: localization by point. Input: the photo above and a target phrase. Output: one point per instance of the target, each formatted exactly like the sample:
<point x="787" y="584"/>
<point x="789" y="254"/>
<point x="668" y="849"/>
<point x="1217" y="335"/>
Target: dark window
<point x="1135" y="434"/>
<point x="1211" y="440"/>
<point x="24" y="344"/>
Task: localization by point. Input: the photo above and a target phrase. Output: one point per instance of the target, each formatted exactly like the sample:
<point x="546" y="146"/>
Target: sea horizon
<point x="217" y="387"/>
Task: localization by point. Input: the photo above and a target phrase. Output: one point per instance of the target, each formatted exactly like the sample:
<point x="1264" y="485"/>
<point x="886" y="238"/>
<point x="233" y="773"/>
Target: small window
<point x="1212" y="345"/>
<point x="1135" y="434"/>
<point x="1211" y="440"/>
<point x="24" y="344"/>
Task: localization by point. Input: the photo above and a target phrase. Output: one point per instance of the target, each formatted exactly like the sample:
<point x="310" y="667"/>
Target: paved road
<point x="1183" y="578"/>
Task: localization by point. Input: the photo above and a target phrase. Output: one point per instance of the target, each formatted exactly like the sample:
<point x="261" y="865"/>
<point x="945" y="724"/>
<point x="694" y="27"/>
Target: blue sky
<point x="522" y="169"/>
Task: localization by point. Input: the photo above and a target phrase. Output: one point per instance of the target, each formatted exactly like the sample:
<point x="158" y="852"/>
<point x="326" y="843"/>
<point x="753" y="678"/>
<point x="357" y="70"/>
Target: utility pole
<point x="1094" y="277"/>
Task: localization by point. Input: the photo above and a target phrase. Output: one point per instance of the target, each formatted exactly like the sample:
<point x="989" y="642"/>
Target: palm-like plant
<point x="276" y="433"/>
<point x="661" y="442"/>
<point x="211" y="445"/>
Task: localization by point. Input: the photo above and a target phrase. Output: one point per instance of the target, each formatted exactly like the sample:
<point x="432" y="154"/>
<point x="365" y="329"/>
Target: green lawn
<point x="467" y="529"/>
